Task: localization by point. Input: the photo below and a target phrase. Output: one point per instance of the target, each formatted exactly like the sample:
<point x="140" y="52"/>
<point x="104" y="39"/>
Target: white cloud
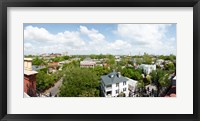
<point x="150" y="38"/>
<point x="28" y="46"/>
<point x="69" y="38"/>
<point x="37" y="34"/>
<point x="134" y="38"/>
<point x="119" y="45"/>
<point x="47" y="42"/>
<point x="93" y="34"/>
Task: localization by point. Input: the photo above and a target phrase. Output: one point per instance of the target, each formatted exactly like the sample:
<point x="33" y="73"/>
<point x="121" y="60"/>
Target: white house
<point x="132" y="85"/>
<point x="159" y="62"/>
<point x="147" y="68"/>
<point x="114" y="84"/>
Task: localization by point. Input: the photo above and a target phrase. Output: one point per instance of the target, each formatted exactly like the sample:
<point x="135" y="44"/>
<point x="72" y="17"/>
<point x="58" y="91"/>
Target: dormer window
<point x="111" y="75"/>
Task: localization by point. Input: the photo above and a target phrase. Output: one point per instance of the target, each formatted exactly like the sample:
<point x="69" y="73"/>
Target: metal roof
<point x="113" y="78"/>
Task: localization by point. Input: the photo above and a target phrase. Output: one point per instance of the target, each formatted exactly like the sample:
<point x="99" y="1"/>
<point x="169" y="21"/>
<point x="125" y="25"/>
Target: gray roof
<point x="113" y="78"/>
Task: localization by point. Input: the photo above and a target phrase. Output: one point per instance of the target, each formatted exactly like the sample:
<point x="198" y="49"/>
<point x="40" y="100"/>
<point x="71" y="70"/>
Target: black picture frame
<point x="4" y="4"/>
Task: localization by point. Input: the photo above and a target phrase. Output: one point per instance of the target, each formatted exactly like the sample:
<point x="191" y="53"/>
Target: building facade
<point x="87" y="63"/>
<point x="147" y="69"/>
<point x="114" y="85"/>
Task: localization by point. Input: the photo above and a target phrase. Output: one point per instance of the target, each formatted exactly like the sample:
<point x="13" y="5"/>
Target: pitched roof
<point x="113" y="78"/>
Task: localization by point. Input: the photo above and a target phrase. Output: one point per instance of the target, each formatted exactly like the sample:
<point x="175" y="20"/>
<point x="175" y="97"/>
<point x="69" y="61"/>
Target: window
<point x="124" y="89"/>
<point x="117" y="91"/>
<point x="117" y="84"/>
<point x="124" y="83"/>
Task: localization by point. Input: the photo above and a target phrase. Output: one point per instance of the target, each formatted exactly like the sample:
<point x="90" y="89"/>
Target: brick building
<point x="29" y="78"/>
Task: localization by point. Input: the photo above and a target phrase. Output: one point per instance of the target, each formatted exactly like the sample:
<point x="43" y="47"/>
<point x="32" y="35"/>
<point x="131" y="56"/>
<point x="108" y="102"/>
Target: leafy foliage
<point x="147" y="59"/>
<point x="45" y="81"/>
<point x="37" y="61"/>
<point x="170" y="66"/>
<point x="79" y="82"/>
<point x="132" y="73"/>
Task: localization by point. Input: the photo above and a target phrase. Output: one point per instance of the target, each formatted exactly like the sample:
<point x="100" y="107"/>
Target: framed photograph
<point x="99" y="60"/>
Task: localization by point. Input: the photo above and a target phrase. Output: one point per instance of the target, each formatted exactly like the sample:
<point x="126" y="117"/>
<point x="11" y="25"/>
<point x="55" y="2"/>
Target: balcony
<point x="108" y="89"/>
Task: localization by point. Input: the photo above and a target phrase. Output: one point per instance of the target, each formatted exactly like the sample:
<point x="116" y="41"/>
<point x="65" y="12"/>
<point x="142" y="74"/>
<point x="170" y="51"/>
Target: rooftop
<point x="27" y="72"/>
<point x="113" y="78"/>
<point x="28" y="59"/>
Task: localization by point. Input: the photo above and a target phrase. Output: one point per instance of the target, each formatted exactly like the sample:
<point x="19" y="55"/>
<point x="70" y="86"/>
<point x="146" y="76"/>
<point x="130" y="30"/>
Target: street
<point x="55" y="89"/>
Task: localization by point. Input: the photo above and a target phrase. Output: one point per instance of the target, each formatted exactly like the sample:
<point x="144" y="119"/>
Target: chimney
<point x="28" y="64"/>
<point x="118" y="74"/>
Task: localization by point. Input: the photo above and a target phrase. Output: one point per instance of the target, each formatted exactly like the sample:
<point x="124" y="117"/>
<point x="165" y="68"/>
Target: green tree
<point x="138" y="61"/>
<point x="147" y="59"/>
<point x="37" y="61"/>
<point x="156" y="79"/>
<point x="140" y="87"/>
<point x="45" y="81"/>
<point x="169" y="66"/>
<point x="79" y="82"/>
<point x="132" y="73"/>
<point x="58" y="59"/>
<point x="148" y="77"/>
<point x="137" y="75"/>
<point x="66" y="57"/>
<point x="128" y="72"/>
<point x="164" y="81"/>
<point x="99" y="70"/>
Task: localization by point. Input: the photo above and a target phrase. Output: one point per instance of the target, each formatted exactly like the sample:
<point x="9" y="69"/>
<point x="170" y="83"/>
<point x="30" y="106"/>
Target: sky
<point x="85" y="39"/>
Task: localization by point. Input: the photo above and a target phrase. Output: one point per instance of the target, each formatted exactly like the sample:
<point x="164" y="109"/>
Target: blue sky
<point x="117" y="39"/>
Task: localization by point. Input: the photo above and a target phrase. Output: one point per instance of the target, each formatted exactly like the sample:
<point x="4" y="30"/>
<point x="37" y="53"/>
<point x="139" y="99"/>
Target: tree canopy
<point x="45" y="81"/>
<point x="37" y="61"/>
<point x="79" y="82"/>
<point x="132" y="73"/>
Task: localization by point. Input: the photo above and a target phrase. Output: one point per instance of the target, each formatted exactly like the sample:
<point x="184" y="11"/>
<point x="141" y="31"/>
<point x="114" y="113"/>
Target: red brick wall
<point x="30" y="85"/>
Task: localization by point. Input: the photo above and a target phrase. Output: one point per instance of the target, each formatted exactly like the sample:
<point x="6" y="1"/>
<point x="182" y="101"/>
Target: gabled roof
<point x="113" y="78"/>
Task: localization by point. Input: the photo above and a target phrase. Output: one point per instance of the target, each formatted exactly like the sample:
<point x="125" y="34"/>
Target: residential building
<point x="29" y="78"/>
<point x="87" y="63"/>
<point x="75" y="59"/>
<point x="114" y="84"/>
<point x="117" y="58"/>
<point x="55" y="54"/>
<point x="64" y="62"/>
<point x="147" y="69"/>
<point x="132" y="85"/>
<point x="52" y="67"/>
<point x="160" y="62"/>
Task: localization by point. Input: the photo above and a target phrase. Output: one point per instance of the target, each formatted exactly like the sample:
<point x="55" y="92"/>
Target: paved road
<point x="55" y="89"/>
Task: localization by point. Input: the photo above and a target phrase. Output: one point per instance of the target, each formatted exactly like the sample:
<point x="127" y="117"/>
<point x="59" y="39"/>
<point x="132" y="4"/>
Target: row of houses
<point x="52" y="54"/>
<point x="91" y="63"/>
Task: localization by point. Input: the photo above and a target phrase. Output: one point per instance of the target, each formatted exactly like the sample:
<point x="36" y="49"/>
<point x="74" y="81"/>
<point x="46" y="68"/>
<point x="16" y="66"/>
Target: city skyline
<point x="86" y="39"/>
